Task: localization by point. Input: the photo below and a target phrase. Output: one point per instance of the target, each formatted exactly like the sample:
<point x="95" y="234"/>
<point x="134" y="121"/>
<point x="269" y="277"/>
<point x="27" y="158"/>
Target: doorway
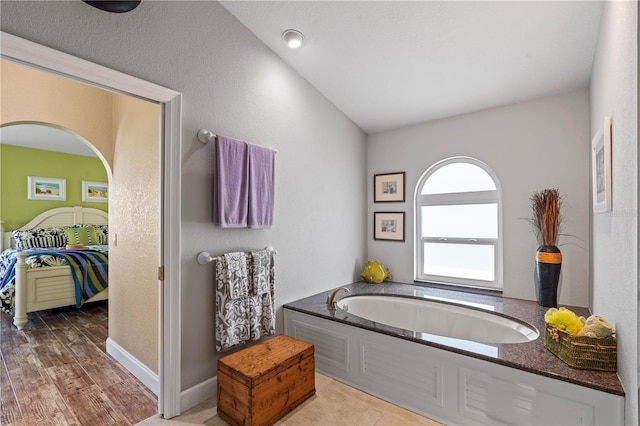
<point x="35" y="56"/>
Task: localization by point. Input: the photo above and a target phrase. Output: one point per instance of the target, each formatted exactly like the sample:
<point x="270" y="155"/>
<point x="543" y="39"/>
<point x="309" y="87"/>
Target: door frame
<point x="34" y="55"/>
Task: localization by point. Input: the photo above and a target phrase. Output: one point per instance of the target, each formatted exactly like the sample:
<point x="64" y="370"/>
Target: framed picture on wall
<point x="44" y="188"/>
<point x="95" y="191"/>
<point x="601" y="168"/>
<point x="388" y="187"/>
<point x="388" y="226"/>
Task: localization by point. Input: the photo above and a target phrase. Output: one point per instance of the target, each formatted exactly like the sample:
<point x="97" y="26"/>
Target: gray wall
<point x="614" y="91"/>
<point x="232" y="84"/>
<point x="530" y="146"/>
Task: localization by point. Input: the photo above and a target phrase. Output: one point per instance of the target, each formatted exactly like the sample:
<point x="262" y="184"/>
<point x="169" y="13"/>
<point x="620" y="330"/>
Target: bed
<point x="36" y="289"/>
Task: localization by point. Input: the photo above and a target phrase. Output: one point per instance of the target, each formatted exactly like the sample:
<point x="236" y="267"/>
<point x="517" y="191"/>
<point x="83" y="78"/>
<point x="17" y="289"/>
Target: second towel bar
<point x="204" y="257"/>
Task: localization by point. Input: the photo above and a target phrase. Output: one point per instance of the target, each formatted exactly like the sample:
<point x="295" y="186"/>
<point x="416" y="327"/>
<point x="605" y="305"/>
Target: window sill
<point x="460" y="288"/>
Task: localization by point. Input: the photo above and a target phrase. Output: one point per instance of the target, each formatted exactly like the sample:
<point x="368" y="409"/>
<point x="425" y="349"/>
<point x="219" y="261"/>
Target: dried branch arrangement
<point x="546" y="216"/>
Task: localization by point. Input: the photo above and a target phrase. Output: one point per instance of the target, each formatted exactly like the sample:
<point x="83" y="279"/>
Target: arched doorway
<point x="46" y="150"/>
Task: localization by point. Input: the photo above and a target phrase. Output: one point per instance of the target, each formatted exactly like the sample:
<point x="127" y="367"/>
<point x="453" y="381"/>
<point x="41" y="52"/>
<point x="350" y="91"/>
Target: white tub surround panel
<point x="454" y="380"/>
<point x="446" y="386"/>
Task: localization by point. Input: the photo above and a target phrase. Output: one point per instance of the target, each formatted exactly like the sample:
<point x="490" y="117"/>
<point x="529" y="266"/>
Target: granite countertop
<point x="529" y="356"/>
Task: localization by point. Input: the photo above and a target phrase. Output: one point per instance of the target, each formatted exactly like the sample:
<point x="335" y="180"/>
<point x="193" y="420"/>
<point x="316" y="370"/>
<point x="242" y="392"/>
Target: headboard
<point x="61" y="216"/>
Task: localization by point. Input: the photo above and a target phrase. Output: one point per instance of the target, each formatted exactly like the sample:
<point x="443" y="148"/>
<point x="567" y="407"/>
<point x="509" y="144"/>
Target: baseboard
<point x="188" y="398"/>
<point x="134" y="366"/>
<point x="199" y="393"/>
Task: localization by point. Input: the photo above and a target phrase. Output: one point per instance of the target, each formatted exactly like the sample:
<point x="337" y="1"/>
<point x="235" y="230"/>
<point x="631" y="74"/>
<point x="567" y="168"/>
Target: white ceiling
<point x="388" y="64"/>
<point x="44" y="137"/>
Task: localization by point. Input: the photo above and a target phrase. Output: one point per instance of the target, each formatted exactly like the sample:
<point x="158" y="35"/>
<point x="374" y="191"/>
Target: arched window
<point x="458" y="213"/>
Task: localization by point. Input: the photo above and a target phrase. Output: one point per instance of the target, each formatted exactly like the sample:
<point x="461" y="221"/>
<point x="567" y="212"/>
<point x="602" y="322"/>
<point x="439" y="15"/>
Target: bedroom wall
<point x="135" y="220"/>
<point x="30" y="95"/>
<point x="16" y="163"/>
<point x="530" y="146"/>
<point x="614" y="92"/>
<point x="232" y="84"/>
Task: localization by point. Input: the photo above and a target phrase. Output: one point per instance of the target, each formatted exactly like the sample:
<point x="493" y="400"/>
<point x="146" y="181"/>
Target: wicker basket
<point x="583" y="352"/>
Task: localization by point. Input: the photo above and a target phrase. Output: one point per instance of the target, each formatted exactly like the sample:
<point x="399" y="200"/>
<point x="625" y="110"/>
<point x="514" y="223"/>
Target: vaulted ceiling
<point x="388" y="64"/>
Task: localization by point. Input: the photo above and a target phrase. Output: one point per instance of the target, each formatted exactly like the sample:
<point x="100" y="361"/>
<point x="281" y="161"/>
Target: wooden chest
<point x="261" y="384"/>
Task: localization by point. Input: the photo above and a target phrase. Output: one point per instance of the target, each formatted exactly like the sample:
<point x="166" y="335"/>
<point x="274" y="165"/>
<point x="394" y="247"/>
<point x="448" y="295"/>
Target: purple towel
<point x="231" y="193"/>
<point x="261" y="186"/>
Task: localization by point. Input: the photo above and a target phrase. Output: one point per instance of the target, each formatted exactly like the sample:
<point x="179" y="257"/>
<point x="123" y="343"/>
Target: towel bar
<point x="206" y="136"/>
<point x="204" y="257"/>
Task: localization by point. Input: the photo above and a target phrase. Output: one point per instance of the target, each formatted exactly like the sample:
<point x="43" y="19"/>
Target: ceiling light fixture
<point x="293" y="38"/>
<point x="114" y="6"/>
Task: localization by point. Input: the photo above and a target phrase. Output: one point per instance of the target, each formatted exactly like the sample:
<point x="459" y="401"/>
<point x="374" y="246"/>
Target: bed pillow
<point x="81" y="234"/>
<point x="39" y="238"/>
<point x="102" y="231"/>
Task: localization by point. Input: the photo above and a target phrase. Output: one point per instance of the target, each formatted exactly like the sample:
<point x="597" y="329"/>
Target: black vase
<point x="548" y="264"/>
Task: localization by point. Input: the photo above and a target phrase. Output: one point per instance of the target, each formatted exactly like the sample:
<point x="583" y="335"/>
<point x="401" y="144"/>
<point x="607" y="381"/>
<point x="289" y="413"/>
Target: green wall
<point x="16" y="163"/>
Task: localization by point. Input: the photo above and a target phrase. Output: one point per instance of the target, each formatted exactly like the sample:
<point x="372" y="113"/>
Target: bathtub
<point x="429" y="350"/>
<point x="436" y="317"/>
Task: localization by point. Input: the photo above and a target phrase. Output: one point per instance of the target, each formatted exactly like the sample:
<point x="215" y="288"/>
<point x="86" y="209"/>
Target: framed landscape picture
<point x="388" y="226"/>
<point x="95" y="191"/>
<point x="388" y="187"/>
<point x="44" y="188"/>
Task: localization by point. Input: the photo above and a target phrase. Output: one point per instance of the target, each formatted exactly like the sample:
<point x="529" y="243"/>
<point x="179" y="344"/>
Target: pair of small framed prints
<point x="55" y="189"/>
<point x="388" y="188"/>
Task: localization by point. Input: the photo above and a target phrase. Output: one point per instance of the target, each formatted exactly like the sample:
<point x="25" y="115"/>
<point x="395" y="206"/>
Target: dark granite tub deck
<point x="530" y="356"/>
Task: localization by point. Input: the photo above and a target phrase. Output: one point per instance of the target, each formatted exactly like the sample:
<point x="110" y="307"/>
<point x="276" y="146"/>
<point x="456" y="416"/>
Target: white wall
<point x="530" y="146"/>
<point x="614" y="91"/>
<point x="232" y="84"/>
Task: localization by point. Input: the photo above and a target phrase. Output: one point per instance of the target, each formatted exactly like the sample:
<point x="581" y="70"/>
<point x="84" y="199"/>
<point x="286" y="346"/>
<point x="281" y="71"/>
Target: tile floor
<point x="334" y="404"/>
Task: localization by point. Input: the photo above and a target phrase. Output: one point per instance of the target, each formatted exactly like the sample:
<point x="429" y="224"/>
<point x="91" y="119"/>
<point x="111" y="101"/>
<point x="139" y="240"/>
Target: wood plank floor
<point x="57" y="372"/>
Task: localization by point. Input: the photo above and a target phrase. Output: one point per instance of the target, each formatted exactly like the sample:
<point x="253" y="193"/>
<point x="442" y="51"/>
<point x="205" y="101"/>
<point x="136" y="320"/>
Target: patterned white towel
<point x="233" y="321"/>
<point x="245" y="298"/>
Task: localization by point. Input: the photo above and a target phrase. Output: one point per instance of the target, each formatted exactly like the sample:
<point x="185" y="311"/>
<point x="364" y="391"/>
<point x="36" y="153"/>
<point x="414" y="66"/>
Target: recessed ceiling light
<point x="293" y="38"/>
<point x="114" y="6"/>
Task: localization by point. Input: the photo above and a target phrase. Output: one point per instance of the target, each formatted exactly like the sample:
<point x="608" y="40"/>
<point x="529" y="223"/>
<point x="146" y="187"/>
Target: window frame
<point x="458" y="198"/>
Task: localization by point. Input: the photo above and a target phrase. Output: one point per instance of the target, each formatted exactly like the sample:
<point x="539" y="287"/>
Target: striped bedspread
<point x="89" y="269"/>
